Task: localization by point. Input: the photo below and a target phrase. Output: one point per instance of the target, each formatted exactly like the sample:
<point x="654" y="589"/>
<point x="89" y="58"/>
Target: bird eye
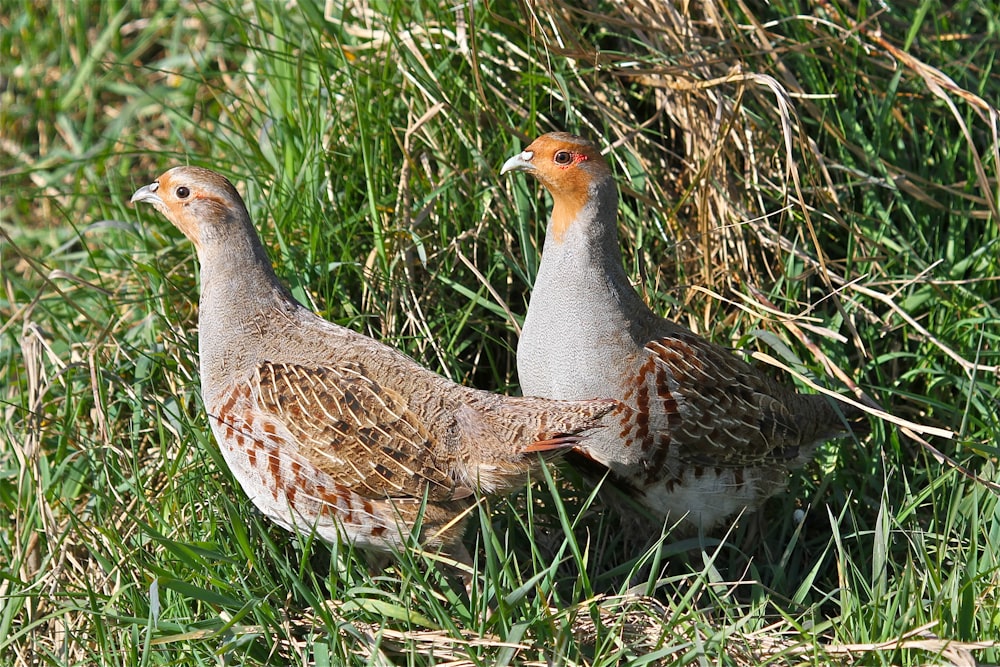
<point x="182" y="192"/>
<point x="563" y="157"/>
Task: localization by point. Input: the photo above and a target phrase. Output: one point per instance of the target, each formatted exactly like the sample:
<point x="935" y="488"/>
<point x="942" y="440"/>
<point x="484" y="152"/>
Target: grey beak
<point x="147" y="193"/>
<point x="520" y="162"/>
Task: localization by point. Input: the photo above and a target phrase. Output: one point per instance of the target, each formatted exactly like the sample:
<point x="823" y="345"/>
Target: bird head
<point x="571" y="168"/>
<point x="562" y="162"/>
<point x="200" y="203"/>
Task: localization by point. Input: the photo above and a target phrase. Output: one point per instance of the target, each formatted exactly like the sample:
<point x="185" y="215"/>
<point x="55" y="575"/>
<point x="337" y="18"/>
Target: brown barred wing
<point x="719" y="410"/>
<point x="362" y="434"/>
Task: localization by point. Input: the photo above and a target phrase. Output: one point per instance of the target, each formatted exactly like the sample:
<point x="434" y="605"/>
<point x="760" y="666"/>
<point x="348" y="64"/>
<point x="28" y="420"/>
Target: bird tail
<point x="556" y="443"/>
<point x="857" y="420"/>
<point x="574" y="421"/>
<point x="502" y="433"/>
<point x="842" y="419"/>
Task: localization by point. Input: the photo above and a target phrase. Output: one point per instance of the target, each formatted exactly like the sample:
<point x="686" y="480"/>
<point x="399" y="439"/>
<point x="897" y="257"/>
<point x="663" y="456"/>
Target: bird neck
<point x="236" y="273"/>
<point x="583" y="254"/>
<point x="242" y="306"/>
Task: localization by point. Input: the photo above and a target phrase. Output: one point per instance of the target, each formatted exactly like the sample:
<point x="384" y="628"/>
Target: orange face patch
<point x="566" y="165"/>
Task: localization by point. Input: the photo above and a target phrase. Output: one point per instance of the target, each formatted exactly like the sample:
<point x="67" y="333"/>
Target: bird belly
<point x="292" y="492"/>
<point x="701" y="498"/>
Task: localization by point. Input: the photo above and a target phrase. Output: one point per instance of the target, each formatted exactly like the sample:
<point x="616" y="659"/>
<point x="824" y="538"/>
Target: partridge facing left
<point x="326" y="429"/>
<point x="701" y="434"/>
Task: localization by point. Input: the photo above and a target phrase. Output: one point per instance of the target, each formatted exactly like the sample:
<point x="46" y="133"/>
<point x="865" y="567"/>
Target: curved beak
<point x="147" y="193"/>
<point x="520" y="162"/>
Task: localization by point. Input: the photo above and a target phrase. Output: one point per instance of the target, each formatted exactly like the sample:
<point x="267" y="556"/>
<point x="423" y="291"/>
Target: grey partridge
<point x="326" y="429"/>
<point x="701" y="434"/>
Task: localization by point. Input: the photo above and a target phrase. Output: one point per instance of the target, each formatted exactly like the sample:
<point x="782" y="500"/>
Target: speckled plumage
<point x="327" y="429"/>
<point x="701" y="434"/>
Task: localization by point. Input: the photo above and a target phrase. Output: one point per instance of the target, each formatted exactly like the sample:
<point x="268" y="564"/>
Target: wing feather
<point x="362" y="434"/>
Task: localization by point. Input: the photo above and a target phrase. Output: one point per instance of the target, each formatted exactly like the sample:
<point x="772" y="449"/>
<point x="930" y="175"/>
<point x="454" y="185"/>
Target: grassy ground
<point x="837" y="162"/>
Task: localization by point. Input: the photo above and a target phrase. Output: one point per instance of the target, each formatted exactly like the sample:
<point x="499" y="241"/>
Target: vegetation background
<point x="813" y="181"/>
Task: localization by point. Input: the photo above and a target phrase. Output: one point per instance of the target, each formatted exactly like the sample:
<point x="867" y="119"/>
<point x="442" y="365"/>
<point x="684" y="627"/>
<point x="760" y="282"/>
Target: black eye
<point x="563" y="157"/>
<point x="182" y="192"/>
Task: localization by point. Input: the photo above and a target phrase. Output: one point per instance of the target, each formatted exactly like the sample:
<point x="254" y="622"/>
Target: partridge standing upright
<point x="326" y="429"/>
<point x="706" y="435"/>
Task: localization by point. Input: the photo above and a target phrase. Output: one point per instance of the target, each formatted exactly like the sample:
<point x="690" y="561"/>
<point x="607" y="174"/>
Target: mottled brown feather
<point x="358" y="432"/>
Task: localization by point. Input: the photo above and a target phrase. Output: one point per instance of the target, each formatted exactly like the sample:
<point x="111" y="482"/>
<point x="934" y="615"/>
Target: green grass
<point x="767" y="152"/>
